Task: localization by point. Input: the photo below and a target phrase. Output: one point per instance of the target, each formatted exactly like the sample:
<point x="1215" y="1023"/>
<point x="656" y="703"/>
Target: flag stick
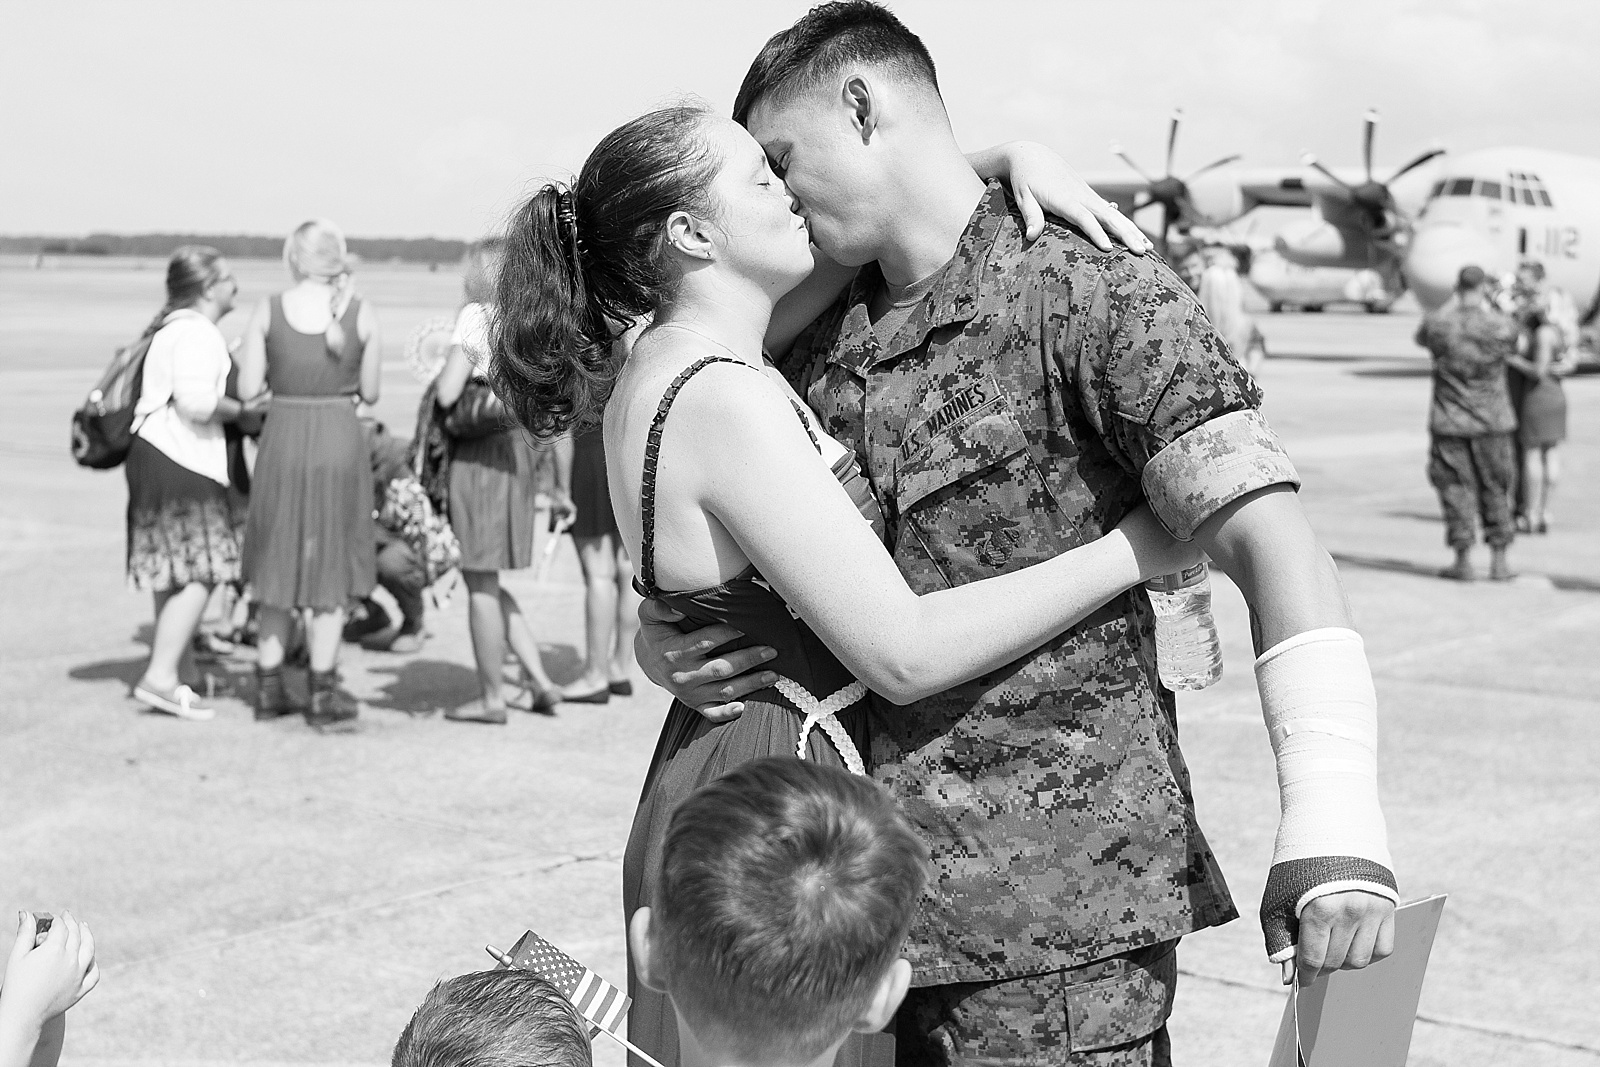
<point x="507" y="961"/>
<point x="541" y="571"/>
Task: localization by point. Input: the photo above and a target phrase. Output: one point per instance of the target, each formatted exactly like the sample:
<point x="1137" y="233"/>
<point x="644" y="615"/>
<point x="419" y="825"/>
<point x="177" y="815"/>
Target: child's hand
<point x="44" y="981"/>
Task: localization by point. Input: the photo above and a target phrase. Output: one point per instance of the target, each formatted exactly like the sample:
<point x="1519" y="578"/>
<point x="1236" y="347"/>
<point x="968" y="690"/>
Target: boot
<point x="1499" y="567"/>
<point x="272" y="696"/>
<point x="329" y="703"/>
<point x="1461" y="570"/>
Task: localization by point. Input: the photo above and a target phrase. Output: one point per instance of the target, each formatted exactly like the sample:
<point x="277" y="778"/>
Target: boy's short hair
<point x="499" y="1018"/>
<point x="828" y="38"/>
<point x="785" y="894"/>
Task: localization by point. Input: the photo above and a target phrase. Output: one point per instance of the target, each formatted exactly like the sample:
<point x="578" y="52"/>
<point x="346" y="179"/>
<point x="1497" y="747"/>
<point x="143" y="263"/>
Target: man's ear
<point x="864" y="106"/>
<point x="690" y="236"/>
<point x="639" y="945"/>
<point x="886" y="997"/>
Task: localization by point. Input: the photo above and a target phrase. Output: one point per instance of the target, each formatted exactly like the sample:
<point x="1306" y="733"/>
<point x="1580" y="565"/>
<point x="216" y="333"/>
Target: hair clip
<point x="567" y="216"/>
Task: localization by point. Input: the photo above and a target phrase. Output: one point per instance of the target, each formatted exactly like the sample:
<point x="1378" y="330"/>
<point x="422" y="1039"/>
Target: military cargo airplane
<point x="1490" y="207"/>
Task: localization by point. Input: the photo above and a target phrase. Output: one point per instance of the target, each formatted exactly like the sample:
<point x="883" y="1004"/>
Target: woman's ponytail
<point x="344" y="291"/>
<point x="552" y="361"/>
<point x="582" y="264"/>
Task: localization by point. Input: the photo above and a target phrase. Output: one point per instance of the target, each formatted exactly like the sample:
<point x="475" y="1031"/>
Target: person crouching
<point x="400" y="569"/>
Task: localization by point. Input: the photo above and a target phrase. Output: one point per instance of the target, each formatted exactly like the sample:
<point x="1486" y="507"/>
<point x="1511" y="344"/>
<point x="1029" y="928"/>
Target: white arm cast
<point x="1322" y="718"/>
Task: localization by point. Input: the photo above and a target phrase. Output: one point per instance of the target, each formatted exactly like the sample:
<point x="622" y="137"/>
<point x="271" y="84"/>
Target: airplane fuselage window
<point x="1460" y="187"/>
<point x="1489" y="189"/>
<point x="1528" y="189"/>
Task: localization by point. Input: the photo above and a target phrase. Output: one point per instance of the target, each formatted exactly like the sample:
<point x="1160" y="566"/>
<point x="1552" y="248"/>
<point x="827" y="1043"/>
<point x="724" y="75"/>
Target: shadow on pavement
<point x="1423" y="371"/>
<point x="423" y="686"/>
<point x="126" y="671"/>
<point x="1419" y="516"/>
<point x="1571" y="583"/>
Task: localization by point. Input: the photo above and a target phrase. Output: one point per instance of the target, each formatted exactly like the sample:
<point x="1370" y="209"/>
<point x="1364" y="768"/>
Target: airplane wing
<point x="1280" y="186"/>
<point x="1275" y="186"/>
<point x="1119" y="187"/>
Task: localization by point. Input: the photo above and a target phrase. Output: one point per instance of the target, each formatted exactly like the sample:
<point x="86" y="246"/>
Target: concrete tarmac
<point x="265" y="894"/>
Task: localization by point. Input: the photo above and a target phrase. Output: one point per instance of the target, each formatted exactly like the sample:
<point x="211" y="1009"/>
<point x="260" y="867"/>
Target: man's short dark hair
<point x="501" y="1018"/>
<point x="785" y="894"/>
<point x="828" y="38"/>
<point x="1470" y="277"/>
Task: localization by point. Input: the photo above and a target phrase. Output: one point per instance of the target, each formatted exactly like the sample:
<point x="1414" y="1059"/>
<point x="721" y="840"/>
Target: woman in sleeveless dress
<point x="737" y="508"/>
<point x="309" y="542"/>
<point x="1535" y="373"/>
<point x="491" y="510"/>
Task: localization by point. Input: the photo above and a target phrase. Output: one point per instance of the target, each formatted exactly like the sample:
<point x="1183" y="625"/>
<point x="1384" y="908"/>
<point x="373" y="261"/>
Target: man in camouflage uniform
<point x="1471" y="460"/>
<point x="1009" y="405"/>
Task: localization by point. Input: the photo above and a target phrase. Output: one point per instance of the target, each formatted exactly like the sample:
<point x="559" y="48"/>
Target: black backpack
<point x="102" y="429"/>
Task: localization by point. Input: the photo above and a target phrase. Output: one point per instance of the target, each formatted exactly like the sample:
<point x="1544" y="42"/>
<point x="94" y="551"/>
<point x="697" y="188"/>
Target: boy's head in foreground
<point x="503" y="1018"/>
<point x="785" y="893"/>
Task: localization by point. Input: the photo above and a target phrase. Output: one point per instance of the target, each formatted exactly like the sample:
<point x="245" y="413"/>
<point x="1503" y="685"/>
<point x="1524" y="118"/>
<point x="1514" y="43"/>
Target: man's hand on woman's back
<point x="688" y="666"/>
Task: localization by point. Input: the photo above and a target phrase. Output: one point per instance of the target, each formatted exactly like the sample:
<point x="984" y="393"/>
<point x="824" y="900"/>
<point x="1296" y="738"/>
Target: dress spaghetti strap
<point x="646" y="582"/>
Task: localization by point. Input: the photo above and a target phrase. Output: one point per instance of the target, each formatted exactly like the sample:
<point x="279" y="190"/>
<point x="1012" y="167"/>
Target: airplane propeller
<point x="1371" y="196"/>
<point x="1170" y="191"/>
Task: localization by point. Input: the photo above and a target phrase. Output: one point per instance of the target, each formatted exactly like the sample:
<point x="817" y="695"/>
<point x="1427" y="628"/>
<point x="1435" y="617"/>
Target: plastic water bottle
<point x="1188" y="654"/>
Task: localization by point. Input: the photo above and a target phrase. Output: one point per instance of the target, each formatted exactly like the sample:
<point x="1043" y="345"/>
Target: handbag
<point x="430" y="453"/>
<point x="102" y="428"/>
<point x="476" y="413"/>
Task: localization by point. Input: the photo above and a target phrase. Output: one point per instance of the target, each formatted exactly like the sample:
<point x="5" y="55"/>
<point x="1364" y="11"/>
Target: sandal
<point x="180" y="701"/>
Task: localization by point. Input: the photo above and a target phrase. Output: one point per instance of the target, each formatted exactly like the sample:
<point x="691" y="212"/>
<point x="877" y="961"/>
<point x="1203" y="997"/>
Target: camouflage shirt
<point x="1469" y="347"/>
<point x="1033" y="398"/>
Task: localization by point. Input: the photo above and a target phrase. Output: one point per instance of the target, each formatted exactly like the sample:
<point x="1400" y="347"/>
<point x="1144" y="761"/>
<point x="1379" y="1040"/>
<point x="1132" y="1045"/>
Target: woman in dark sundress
<point x="309" y="542"/>
<point x="1544" y="317"/>
<point x="738" y="509"/>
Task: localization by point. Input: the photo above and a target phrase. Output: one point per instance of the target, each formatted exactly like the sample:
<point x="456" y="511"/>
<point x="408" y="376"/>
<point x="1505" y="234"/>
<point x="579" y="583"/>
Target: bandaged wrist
<point x="1321" y="715"/>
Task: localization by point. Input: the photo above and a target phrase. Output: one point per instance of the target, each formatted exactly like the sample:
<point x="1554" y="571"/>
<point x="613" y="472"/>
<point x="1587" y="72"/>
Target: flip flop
<point x="182" y="702"/>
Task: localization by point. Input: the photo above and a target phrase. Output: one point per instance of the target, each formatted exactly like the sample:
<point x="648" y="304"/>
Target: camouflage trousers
<point x="1475" y="477"/>
<point x="1110" y="1013"/>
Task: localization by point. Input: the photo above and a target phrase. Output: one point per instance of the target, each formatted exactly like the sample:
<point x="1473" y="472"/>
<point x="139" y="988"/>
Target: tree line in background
<point x="237" y="245"/>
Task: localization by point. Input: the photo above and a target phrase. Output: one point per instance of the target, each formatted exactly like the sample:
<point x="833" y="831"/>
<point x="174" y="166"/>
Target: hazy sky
<point x="403" y="117"/>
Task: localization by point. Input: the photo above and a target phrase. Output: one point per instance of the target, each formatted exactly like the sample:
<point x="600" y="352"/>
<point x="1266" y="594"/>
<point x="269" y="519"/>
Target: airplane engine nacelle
<point x="1316" y="243"/>
<point x="1216" y="197"/>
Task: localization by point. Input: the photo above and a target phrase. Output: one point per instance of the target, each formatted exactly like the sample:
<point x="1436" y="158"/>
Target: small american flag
<point x="595" y="998"/>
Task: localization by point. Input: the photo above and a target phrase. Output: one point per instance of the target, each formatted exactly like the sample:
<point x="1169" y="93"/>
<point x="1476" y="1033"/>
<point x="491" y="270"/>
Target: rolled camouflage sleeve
<point x="1174" y="403"/>
<point x="1212" y="465"/>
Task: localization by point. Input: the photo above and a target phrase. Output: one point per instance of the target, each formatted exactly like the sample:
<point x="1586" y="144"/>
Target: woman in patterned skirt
<point x="182" y="526"/>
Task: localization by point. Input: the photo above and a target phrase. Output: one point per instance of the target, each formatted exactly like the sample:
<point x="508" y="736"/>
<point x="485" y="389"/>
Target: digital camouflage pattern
<point x="1030" y="401"/>
<point x="1111" y="1013"/>
<point x="1476" y="478"/>
<point x="1469" y="347"/>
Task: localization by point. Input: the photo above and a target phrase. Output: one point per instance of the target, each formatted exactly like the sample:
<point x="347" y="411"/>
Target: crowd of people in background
<point x="289" y="539"/>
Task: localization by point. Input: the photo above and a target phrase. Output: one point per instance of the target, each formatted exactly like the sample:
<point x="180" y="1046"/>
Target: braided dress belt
<point x="824" y="714"/>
